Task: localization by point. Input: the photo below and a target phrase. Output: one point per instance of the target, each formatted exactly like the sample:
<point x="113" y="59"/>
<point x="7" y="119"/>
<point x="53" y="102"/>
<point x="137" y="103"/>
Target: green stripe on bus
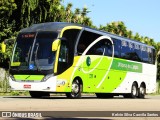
<point x="29" y="77"/>
<point x="126" y="66"/>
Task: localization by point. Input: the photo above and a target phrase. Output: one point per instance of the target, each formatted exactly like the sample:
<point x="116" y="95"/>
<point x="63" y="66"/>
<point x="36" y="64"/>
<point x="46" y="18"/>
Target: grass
<point x="15" y="93"/>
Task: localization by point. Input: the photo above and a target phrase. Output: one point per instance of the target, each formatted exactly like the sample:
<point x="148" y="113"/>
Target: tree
<point x="6" y="27"/>
<point x="68" y="12"/>
<point x="18" y="14"/>
<point x="76" y="15"/>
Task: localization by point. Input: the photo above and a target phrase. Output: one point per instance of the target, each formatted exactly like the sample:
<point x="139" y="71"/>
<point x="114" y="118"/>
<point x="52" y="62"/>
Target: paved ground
<point x="87" y="103"/>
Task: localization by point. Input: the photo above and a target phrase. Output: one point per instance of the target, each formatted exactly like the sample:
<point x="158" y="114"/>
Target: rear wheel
<point x="141" y="91"/>
<point x="134" y="92"/>
<point x="38" y="94"/>
<point x="76" y="90"/>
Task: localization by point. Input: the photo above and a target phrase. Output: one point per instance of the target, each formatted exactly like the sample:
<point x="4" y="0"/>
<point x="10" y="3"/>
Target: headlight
<point x="12" y="77"/>
<point x="47" y="77"/>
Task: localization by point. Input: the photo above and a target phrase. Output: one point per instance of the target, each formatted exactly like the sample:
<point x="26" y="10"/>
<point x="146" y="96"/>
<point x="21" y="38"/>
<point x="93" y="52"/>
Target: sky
<point x="142" y="16"/>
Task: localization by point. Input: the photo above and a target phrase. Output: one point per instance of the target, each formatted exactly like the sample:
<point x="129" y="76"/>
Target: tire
<point x="134" y="92"/>
<point x="104" y="95"/>
<point x="76" y="90"/>
<point x="38" y="94"/>
<point x="141" y="91"/>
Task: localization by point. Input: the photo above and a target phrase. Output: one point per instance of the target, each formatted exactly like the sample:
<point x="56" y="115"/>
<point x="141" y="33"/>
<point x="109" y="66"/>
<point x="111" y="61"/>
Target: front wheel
<point x="76" y="90"/>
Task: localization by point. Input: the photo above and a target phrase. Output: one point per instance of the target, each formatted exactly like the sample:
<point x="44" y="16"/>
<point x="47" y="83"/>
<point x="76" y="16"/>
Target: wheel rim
<point x="75" y="89"/>
<point x="134" y="90"/>
<point x="142" y="90"/>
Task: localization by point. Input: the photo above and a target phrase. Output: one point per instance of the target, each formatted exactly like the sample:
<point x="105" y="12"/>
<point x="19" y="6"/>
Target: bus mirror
<point x="3" y="47"/>
<point x="55" y="45"/>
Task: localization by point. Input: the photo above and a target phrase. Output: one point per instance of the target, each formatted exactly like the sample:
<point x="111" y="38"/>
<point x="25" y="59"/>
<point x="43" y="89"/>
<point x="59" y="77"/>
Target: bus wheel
<point x="141" y="91"/>
<point x="76" y="90"/>
<point x="38" y="94"/>
<point x="134" y="91"/>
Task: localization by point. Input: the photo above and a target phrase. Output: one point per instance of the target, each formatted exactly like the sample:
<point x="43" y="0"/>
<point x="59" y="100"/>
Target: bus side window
<point x="85" y="40"/>
<point x="63" y="56"/>
<point x="145" y="56"/>
<point x="117" y="47"/>
<point x="81" y="48"/>
<point x="124" y="50"/>
<point x="108" y="48"/>
<point x="153" y="56"/>
<point x="99" y="51"/>
<point x="138" y="53"/>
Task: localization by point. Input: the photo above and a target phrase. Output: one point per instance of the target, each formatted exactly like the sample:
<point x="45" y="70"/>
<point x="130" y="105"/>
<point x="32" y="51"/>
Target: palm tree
<point x="87" y="21"/>
<point x="76" y="16"/>
<point x="84" y="14"/>
<point x="130" y="34"/>
<point x="68" y="12"/>
<point x="137" y="37"/>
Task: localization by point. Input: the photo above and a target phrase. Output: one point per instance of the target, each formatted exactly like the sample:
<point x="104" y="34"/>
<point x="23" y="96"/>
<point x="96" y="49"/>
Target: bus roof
<point x="118" y="37"/>
<point x="57" y="26"/>
<point x="48" y="26"/>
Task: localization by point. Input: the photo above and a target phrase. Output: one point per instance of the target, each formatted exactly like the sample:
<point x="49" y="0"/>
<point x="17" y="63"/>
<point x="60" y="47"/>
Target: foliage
<point x="19" y="93"/>
<point x="119" y="28"/>
<point x="6" y="9"/>
<point x="18" y="14"/>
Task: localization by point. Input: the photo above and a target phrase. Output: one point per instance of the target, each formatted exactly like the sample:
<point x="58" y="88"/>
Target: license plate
<point x="26" y="86"/>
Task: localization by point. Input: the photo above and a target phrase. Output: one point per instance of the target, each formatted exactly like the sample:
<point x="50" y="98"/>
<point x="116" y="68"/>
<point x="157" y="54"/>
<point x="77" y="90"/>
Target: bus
<point x="59" y="57"/>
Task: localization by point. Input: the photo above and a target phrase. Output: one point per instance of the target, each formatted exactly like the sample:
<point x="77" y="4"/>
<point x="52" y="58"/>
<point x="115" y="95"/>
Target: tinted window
<point x="138" y="52"/>
<point x="85" y="40"/>
<point x="125" y="50"/>
<point x="145" y="57"/>
<point x="131" y="51"/>
<point x="103" y="47"/>
<point x="153" y="56"/>
<point x="117" y="47"/>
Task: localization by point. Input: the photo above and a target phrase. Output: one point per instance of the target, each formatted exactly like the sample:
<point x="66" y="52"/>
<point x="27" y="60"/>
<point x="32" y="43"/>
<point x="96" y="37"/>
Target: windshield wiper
<point x="35" y="57"/>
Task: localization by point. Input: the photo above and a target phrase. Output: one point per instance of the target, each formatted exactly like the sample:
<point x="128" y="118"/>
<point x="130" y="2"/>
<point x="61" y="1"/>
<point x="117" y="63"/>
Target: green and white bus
<point x="57" y="57"/>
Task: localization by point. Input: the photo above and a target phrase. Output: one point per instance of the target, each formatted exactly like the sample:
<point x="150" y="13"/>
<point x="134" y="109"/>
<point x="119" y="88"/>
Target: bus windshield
<point x="33" y="51"/>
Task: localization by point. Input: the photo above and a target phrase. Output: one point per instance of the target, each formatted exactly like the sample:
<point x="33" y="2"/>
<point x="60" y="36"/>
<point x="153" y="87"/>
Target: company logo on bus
<point x="88" y="61"/>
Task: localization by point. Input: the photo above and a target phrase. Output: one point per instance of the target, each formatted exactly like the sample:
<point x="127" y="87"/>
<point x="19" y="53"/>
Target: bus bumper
<point x="48" y="85"/>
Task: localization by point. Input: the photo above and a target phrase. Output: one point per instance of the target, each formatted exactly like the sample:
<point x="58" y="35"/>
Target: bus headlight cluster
<point x="47" y="77"/>
<point x="12" y="77"/>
